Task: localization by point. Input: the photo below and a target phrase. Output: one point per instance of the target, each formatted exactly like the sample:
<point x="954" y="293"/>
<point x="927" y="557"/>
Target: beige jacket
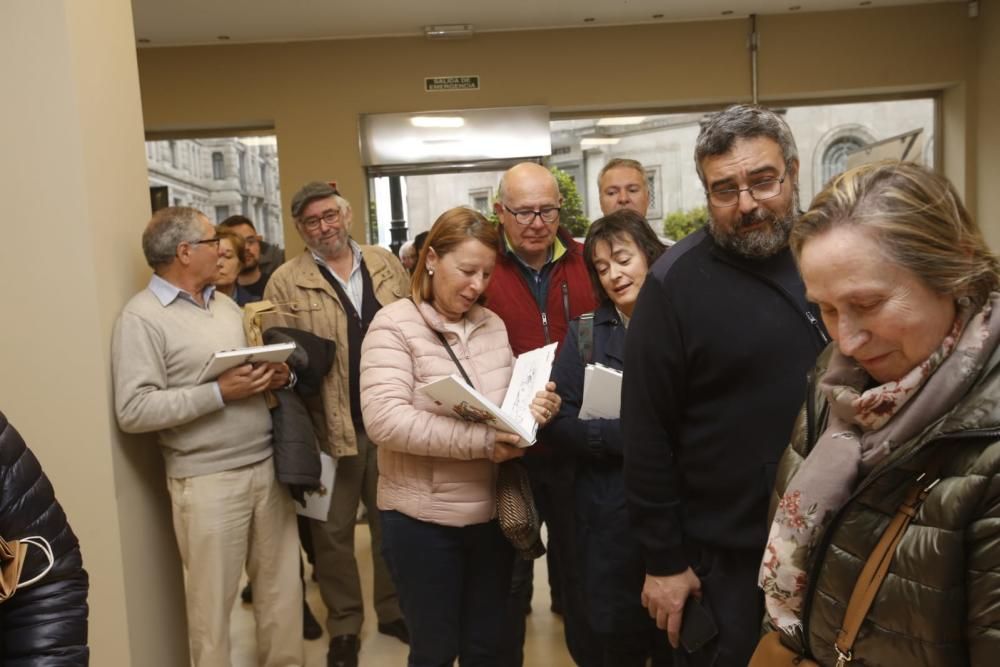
<point x="306" y="301"/>
<point x="432" y="466"/>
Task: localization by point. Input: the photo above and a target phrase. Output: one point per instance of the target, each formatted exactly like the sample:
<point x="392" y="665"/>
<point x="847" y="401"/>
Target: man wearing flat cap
<point x="333" y="289"/>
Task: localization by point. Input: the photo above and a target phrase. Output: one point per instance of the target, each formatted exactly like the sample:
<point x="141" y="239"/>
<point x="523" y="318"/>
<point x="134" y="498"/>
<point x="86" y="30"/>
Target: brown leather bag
<point x="11" y="562"/>
<point x="771" y="652"/>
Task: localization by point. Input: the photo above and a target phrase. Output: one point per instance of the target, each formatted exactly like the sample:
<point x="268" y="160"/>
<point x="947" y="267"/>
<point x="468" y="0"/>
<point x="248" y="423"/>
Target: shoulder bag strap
<point x="451" y="353"/>
<point x="585" y="337"/>
<point x="877" y="566"/>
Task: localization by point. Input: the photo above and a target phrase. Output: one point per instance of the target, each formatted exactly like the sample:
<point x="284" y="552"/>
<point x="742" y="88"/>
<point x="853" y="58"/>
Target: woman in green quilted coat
<point x="909" y="292"/>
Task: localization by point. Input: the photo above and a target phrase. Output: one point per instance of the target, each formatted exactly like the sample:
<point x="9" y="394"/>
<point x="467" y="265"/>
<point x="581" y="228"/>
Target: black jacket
<point x="718" y="352"/>
<point x="43" y="625"/>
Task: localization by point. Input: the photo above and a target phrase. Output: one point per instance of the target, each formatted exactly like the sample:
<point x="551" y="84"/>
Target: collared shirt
<point x="166" y="293"/>
<point x="538" y="280"/>
<point x="353" y="286"/>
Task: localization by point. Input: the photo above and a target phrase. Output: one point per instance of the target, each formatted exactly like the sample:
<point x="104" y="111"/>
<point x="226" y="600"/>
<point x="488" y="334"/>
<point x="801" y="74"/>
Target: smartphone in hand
<point x="697" y="625"/>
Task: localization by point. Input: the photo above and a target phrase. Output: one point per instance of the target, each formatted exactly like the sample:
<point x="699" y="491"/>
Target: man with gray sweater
<point x="228" y="508"/>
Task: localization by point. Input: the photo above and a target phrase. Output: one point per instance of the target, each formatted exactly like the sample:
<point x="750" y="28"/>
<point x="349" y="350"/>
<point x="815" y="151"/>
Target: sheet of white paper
<point x="602" y="393"/>
<point x="318" y="503"/>
<point x="531" y="373"/>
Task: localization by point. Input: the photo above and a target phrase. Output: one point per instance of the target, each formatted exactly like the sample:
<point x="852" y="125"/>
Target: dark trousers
<point x="552" y="484"/>
<point x="633" y="649"/>
<point x="453" y="585"/>
<point x="730" y="592"/>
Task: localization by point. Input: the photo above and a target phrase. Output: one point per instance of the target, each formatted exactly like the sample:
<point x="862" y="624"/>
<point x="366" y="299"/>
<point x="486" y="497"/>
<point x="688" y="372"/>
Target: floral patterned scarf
<point x="864" y="427"/>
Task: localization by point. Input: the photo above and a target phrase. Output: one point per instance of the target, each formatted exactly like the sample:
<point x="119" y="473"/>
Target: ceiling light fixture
<point x="727" y="12"/>
<point x="588" y="142"/>
<point x="142" y="40"/>
<point x="657" y="16"/>
<point x="223" y="38"/>
<point x="451" y="31"/>
<point x="620" y="120"/>
<point x="437" y="121"/>
<point x="589" y="19"/>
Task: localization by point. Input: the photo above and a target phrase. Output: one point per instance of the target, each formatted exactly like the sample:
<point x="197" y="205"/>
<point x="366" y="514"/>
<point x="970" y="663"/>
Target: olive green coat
<point x="940" y="603"/>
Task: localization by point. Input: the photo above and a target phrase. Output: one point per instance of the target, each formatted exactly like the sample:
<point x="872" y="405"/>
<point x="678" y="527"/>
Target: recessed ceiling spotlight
<point x="223" y="38"/>
<point x="589" y="19"/>
<point x="657" y="16"/>
<point x="142" y="40"/>
<point x="795" y="8"/>
<point x="727" y="12"/>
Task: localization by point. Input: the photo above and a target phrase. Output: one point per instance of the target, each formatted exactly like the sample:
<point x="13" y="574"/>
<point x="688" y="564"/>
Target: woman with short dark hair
<point x="619" y="250"/>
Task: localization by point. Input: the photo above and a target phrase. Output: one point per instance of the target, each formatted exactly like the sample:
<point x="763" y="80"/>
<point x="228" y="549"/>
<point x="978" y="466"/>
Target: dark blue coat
<point x="611" y="560"/>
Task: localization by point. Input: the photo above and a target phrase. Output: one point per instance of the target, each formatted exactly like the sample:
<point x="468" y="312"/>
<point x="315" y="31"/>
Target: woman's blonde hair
<point x="917" y="219"/>
<point x="451" y="229"/>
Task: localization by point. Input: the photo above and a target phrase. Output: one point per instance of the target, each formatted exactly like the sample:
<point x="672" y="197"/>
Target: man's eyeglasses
<point x="548" y="215"/>
<point x="311" y="224"/>
<point x="758" y="192"/>
<point x="212" y="241"/>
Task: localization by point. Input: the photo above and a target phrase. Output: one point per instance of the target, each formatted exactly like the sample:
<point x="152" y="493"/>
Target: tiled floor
<point x="544" y="645"/>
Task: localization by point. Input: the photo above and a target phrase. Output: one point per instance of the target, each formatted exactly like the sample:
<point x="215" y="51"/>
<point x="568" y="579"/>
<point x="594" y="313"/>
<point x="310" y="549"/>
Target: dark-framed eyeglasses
<point x="549" y="214"/>
<point x="215" y="240"/>
<point x="758" y="192"/>
<point x="330" y="217"/>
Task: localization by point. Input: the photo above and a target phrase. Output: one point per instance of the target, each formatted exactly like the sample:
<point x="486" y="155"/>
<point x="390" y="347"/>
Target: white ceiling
<point x="189" y="22"/>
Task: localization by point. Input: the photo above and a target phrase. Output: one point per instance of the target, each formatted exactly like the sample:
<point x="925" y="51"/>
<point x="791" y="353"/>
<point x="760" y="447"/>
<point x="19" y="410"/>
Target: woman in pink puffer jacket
<point x="437" y="473"/>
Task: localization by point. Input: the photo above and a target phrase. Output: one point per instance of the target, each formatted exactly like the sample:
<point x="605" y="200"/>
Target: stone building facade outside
<point x="221" y="177"/>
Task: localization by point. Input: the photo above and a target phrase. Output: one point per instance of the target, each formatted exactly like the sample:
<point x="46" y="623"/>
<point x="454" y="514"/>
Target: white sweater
<point x="157" y="352"/>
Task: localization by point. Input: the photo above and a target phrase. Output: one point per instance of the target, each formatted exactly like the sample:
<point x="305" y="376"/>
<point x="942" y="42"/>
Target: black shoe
<point x="310" y="626"/>
<point x="343" y="651"/>
<point x="395" y="629"/>
<point x="247" y="594"/>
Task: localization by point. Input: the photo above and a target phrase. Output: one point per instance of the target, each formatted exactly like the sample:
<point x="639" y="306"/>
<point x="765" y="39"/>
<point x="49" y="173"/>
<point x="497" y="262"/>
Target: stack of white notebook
<point x="602" y="393"/>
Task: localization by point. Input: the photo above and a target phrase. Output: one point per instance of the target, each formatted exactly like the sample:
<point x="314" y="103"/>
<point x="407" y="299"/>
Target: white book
<point x="531" y="373"/>
<point x="602" y="393"/>
<point x="223" y="360"/>
<point x="318" y="502"/>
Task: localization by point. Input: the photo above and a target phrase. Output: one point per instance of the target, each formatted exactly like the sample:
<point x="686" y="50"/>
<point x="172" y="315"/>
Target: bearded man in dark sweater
<point x="719" y="347"/>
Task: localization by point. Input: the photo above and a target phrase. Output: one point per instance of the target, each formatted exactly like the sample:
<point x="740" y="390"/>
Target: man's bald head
<point x="528" y="205"/>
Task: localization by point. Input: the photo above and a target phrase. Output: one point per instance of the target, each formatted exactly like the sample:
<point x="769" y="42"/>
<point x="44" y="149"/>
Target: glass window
<point x="210" y="191"/>
<point x="481" y="200"/>
<point x="826" y="136"/>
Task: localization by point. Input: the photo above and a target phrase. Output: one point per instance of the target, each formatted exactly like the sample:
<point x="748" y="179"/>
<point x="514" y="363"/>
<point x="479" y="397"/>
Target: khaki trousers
<point x="336" y="566"/>
<point x="223" y="521"/>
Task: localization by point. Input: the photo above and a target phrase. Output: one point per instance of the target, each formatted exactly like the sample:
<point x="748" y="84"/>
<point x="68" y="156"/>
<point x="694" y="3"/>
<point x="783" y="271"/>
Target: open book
<point x="223" y="360"/>
<point x="531" y="372"/>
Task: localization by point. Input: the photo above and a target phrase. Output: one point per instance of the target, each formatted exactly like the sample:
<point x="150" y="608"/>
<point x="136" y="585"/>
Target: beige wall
<point x="313" y="92"/>
<point x="73" y="185"/>
<point x="988" y="113"/>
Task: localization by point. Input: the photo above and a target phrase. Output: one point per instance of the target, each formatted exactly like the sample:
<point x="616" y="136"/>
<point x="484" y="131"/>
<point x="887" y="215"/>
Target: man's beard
<point x="250" y="266"/>
<point x="761" y="243"/>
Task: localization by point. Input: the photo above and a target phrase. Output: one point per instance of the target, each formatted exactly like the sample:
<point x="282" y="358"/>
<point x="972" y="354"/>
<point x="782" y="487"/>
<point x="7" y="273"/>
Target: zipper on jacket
<point x="827" y="538"/>
<point x="545" y="327"/>
<point x="822" y="334"/>
<point x="813" y="322"/>
<point x="565" y="298"/>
